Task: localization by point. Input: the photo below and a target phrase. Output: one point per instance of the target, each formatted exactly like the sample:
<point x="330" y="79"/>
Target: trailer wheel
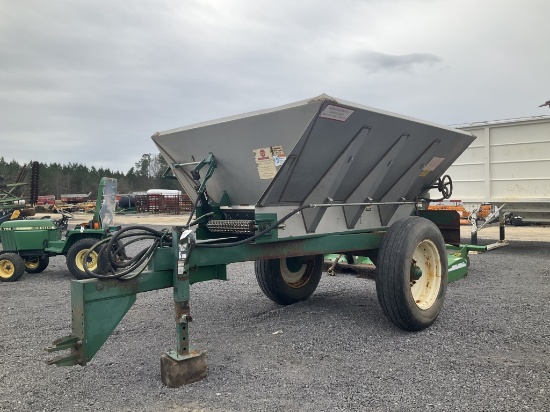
<point x="289" y="280"/>
<point x="36" y="264"/>
<point x="12" y="267"/>
<point x="75" y="258"/>
<point x="411" y="278"/>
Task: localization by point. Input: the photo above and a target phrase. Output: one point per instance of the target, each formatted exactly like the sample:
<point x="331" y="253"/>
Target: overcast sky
<point x="91" y="81"/>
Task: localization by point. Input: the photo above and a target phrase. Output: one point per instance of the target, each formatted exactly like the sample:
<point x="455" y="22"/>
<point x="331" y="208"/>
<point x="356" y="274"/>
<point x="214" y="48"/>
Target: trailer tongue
<point x="283" y="187"/>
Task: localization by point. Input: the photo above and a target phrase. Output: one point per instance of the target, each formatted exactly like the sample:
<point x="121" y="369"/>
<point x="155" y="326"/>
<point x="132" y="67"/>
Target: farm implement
<point x="284" y="187"/>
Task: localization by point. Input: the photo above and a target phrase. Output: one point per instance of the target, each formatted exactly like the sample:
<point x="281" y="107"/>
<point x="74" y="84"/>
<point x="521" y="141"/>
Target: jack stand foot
<point x="495" y="245"/>
<point x="176" y="371"/>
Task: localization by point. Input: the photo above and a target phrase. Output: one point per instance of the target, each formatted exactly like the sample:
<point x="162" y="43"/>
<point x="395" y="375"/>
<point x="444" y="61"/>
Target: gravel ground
<point x="488" y="350"/>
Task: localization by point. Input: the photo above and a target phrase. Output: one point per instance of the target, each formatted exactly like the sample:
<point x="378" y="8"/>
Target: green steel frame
<point x="99" y="305"/>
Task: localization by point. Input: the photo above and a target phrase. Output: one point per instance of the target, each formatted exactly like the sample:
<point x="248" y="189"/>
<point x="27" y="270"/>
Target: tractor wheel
<point x="12" y="267"/>
<point x="289" y="280"/>
<point x="36" y="264"/>
<point x="75" y="258"/>
<point x="411" y="278"/>
<point x="104" y="265"/>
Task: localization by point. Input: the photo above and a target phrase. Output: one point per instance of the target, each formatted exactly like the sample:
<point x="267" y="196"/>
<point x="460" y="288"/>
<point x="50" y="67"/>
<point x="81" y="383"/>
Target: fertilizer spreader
<point x="283" y="187"/>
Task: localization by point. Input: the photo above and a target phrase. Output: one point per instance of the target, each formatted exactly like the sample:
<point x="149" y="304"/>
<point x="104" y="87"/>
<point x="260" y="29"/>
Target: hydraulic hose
<point x="113" y="247"/>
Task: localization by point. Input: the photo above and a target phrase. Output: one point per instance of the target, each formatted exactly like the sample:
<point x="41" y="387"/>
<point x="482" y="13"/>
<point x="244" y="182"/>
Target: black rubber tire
<point x="393" y="273"/>
<point x="36" y="264"/>
<point x="12" y="267"/>
<point x="76" y="252"/>
<point x="104" y="265"/>
<point x="270" y="277"/>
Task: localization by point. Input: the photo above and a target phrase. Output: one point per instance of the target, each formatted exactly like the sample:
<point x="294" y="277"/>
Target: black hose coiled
<point x="112" y="247"/>
<point x="112" y="250"/>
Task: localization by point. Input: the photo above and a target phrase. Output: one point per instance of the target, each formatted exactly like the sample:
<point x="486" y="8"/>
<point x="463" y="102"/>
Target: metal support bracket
<point x="67" y="342"/>
<point x="183" y="365"/>
<point x="458" y="260"/>
<point x="98" y="307"/>
<point x="496" y="245"/>
<point x="474" y="228"/>
<point x="212" y="164"/>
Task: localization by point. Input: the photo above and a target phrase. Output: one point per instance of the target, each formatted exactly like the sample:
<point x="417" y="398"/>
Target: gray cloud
<point x="375" y="62"/>
<point x="91" y="81"/>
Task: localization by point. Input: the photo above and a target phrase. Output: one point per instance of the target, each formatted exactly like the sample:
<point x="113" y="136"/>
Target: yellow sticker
<point x="278" y="151"/>
<point x="431" y="166"/>
<point x="265" y="163"/>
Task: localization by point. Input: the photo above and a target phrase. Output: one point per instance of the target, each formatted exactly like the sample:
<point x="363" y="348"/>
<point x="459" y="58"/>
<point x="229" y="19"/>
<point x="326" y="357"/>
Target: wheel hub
<point x="32" y="263"/>
<point x="416" y="272"/>
<point x="91" y="263"/>
<point x="294" y="272"/>
<point x="6" y="268"/>
<point x="425" y="274"/>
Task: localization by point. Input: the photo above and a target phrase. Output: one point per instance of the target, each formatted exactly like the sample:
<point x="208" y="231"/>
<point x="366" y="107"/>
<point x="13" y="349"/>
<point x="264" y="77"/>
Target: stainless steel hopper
<point x="318" y="151"/>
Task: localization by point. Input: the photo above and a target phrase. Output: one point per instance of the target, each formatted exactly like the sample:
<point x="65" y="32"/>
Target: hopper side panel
<point x="232" y="144"/>
<point x="303" y="179"/>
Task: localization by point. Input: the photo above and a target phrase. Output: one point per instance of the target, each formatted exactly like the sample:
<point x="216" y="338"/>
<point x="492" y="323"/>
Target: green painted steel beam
<point x="464" y="249"/>
<point x="97" y="308"/>
<point x="99" y="305"/>
<point x="335" y="243"/>
<point x="96" y="319"/>
<point x="357" y="260"/>
<point x="458" y="261"/>
<point x="458" y="268"/>
<point x="164" y="260"/>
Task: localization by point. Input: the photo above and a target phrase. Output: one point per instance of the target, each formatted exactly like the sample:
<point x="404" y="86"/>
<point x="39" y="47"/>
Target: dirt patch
<point x="129" y="219"/>
<point x="512" y="233"/>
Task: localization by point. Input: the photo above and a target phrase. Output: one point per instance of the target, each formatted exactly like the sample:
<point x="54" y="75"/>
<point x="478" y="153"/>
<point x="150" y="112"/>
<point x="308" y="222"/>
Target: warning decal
<point x="265" y="163"/>
<point x="432" y="164"/>
<point x="268" y="159"/>
<point x="336" y="113"/>
<point x="279" y="156"/>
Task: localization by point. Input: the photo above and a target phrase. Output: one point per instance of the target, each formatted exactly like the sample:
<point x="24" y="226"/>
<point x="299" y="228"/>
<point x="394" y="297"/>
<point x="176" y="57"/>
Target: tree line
<point x="57" y="179"/>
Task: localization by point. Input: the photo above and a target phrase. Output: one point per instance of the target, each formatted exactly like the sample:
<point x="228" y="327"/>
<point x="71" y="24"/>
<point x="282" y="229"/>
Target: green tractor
<point x="28" y="244"/>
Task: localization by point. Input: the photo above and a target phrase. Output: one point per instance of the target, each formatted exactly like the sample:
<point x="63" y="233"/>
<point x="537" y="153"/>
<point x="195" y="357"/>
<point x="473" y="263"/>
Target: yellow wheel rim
<point x="6" y="269"/>
<point x="32" y="263"/>
<point x="426" y="289"/>
<point x="294" y="274"/>
<point x="92" y="260"/>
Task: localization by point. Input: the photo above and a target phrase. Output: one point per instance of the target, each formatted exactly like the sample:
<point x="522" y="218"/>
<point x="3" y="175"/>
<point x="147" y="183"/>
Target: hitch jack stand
<point x="99" y="306"/>
<point x="184" y="365"/>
